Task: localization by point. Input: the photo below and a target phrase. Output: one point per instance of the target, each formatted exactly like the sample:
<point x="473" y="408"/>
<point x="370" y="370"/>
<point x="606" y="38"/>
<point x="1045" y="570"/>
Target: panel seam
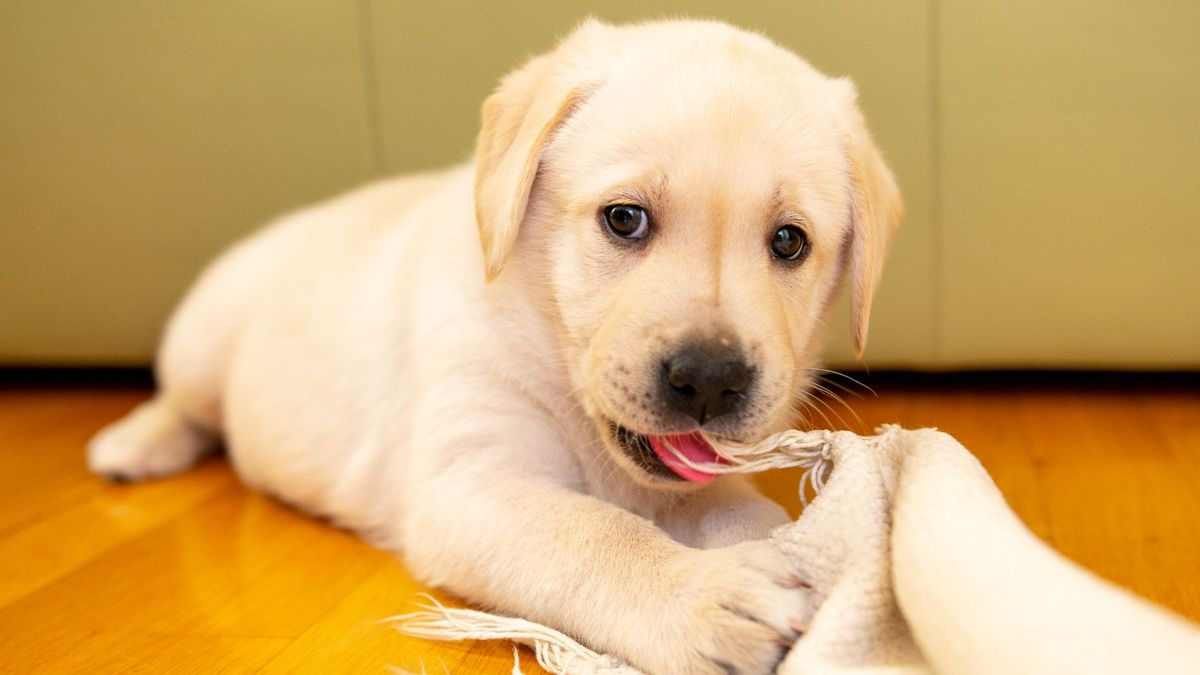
<point x="937" y="246"/>
<point x="371" y="89"/>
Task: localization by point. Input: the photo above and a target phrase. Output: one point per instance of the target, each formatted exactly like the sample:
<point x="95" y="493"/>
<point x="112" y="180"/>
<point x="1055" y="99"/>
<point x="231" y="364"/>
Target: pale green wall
<point x="1070" y="182"/>
<point x="138" y="138"/>
<point x="1048" y="152"/>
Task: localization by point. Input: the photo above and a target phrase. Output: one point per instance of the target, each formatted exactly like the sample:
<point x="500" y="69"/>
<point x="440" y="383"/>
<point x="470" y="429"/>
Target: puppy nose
<point x="705" y="380"/>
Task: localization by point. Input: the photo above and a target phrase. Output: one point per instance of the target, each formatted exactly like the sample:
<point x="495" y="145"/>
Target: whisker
<point x="839" y="400"/>
<point x="807" y="401"/>
<point x="798" y="413"/>
<point x="841" y="387"/>
<point x="852" y="380"/>
<point x="821" y="400"/>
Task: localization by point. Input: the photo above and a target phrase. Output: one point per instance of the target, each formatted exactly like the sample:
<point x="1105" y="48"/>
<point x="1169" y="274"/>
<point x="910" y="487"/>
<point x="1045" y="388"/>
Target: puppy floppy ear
<point x="875" y="212"/>
<point x="518" y="119"/>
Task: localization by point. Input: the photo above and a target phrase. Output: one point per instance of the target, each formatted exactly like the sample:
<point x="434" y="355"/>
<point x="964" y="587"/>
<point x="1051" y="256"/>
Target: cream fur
<point x="368" y="361"/>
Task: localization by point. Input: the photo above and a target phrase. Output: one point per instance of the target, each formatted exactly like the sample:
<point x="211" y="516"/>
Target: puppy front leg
<point x="729" y="511"/>
<point x="518" y="542"/>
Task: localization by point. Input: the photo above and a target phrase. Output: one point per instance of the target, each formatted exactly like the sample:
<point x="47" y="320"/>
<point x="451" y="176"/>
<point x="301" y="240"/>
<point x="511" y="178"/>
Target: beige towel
<point x="921" y="568"/>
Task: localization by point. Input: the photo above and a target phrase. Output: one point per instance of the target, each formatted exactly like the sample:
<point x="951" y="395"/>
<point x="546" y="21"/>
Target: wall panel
<point x="1070" y="168"/>
<point x="137" y="138"/>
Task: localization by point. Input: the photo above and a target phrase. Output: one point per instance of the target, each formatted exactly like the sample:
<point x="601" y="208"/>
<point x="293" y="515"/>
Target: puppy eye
<point x="627" y="221"/>
<point x="789" y="243"/>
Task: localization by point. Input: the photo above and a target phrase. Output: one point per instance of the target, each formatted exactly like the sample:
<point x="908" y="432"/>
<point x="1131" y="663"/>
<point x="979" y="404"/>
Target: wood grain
<point x="196" y="574"/>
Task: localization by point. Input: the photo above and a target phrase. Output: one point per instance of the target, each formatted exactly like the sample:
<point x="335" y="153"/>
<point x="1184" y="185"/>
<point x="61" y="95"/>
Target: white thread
<point x="809" y="450"/>
<point x="554" y="651"/>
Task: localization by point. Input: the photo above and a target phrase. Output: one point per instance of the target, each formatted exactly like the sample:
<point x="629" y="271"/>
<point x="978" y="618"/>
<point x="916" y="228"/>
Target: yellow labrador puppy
<point x="665" y="212"/>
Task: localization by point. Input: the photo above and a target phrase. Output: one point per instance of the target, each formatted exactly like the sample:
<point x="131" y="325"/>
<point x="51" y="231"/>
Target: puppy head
<point x="686" y="197"/>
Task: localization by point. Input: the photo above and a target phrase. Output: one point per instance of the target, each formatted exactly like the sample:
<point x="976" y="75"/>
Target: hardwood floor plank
<point x="119" y="652"/>
<point x="237" y="565"/>
<point x="352" y="639"/>
<point x="1116" y="500"/>
<point x="1174" y="420"/>
<point x="43" y="434"/>
<point x="39" y="552"/>
<point x="197" y="574"/>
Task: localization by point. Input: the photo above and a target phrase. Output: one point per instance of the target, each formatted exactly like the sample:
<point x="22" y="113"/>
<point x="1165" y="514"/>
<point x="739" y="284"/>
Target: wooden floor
<point x="196" y="574"/>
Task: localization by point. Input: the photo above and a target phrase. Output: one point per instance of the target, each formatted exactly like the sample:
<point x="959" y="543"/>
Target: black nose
<point x="705" y="380"/>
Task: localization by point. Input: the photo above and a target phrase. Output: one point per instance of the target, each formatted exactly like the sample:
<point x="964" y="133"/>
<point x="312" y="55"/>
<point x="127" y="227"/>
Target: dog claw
<point x="796" y="582"/>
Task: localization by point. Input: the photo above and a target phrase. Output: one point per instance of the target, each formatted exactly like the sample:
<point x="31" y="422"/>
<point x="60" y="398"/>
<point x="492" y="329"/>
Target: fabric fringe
<point x="555" y="652"/>
<point x="809" y="450"/>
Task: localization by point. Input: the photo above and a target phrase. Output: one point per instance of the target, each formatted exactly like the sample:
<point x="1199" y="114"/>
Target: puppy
<point x="665" y="211"/>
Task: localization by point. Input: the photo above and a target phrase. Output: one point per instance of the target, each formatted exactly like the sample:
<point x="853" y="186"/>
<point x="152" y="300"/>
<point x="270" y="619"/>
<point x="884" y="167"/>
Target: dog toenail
<point x="797" y="582"/>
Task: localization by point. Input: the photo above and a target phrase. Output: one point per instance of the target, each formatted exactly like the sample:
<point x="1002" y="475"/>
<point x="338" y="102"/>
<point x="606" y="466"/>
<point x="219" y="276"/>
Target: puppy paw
<point x="151" y="441"/>
<point x="737" y="610"/>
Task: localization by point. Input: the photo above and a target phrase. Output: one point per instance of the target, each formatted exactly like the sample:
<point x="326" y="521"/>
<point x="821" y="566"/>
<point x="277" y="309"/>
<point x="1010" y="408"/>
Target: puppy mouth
<point x="659" y="455"/>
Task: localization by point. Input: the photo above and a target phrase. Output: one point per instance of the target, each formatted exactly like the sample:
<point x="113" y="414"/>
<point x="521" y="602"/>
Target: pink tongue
<point x="694" y="448"/>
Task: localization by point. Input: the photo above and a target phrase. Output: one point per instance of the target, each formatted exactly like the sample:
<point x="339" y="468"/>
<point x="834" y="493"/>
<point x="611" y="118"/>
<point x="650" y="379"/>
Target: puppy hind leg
<point x="153" y="440"/>
<point x="183" y="421"/>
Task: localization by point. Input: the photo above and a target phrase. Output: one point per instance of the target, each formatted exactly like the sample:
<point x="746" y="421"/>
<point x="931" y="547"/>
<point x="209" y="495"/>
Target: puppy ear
<point x="875" y="212"/>
<point x="518" y="119"/>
